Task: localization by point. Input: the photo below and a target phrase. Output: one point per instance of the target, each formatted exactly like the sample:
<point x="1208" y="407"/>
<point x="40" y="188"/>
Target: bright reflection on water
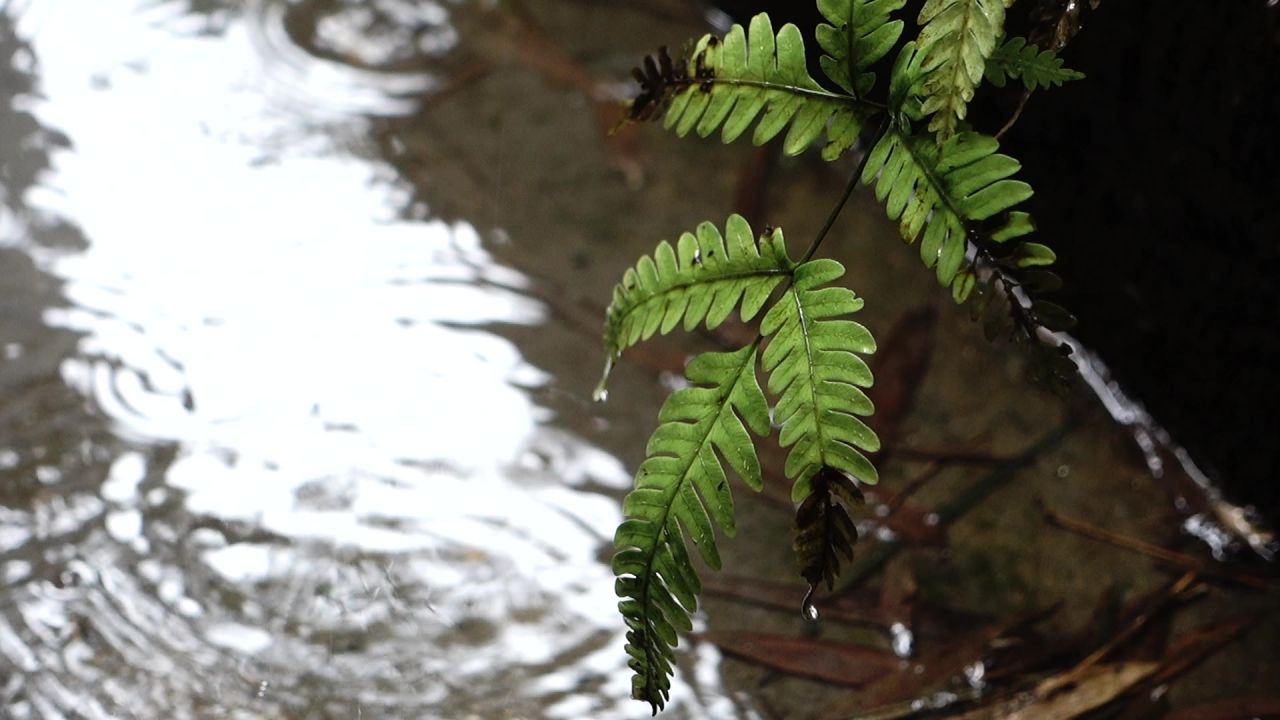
<point x="320" y="487"/>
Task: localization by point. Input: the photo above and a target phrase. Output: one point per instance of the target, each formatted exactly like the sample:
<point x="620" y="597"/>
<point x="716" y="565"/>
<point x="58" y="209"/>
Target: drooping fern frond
<point x="824" y="532"/>
<point x="959" y="200"/>
<point x="938" y="194"/>
<point x="860" y="33"/>
<point x="814" y="368"/>
<point x="1018" y="59"/>
<point x="680" y="491"/>
<point x="951" y="192"/>
<point x="726" y="84"/>
<point x="702" y="279"/>
<point x="956" y="38"/>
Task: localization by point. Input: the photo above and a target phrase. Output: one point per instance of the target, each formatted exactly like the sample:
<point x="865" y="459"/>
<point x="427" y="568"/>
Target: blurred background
<point x="300" y="305"/>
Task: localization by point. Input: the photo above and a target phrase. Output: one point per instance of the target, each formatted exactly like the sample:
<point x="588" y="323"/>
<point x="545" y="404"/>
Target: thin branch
<point x="1017" y="113"/>
<point x="844" y="198"/>
<point x="1185" y="562"/>
<point x="1182" y="585"/>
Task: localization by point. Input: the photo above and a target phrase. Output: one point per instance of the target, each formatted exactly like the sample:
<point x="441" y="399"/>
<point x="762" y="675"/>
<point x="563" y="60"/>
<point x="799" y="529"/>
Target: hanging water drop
<point x="807" y="609"/>
<point x="601" y="393"/>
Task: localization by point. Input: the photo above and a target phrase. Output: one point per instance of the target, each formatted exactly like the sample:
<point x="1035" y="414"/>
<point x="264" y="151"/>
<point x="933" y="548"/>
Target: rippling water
<point x="263" y="452"/>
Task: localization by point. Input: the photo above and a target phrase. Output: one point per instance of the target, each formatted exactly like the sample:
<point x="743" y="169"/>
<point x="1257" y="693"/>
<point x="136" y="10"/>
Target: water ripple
<point x="327" y="489"/>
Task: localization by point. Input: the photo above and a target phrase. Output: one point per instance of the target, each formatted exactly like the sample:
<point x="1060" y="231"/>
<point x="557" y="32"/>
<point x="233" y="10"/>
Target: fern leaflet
<point x="725" y="84"/>
<point x="702" y="279"/>
<point x="861" y="32"/>
<point x="824" y="531"/>
<point x="957" y="37"/>
<point x="936" y="192"/>
<point x="680" y="490"/>
<point x="814" y="368"/>
<point x="1018" y="59"/>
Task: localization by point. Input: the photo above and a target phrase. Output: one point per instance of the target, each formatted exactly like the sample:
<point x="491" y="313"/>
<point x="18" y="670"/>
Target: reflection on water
<point x="261" y="455"/>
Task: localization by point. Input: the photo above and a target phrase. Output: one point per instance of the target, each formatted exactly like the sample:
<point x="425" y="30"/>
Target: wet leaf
<point x="1056" y="22"/>
<point x="962" y="287"/>
<point x="1187" y="650"/>
<point x="1060" y="699"/>
<point x="1037" y="68"/>
<point x="1040" y="281"/>
<point x="929" y="672"/>
<point x="1051" y="316"/>
<point x="824" y="660"/>
<point x="857" y="606"/>
<point x="1097" y="687"/>
<point x="1030" y="254"/>
<point x="980" y="300"/>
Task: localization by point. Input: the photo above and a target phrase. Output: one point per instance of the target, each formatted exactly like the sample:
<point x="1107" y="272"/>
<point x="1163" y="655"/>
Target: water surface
<point x="264" y="453"/>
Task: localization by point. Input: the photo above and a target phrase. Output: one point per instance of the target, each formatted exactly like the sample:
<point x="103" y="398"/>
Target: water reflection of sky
<point x="358" y="462"/>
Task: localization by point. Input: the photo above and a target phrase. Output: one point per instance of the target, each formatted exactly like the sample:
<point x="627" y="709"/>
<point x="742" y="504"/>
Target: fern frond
<point x="861" y="32"/>
<point x="814" y="369"/>
<point x="824" y="532"/>
<point x="939" y="193"/>
<point x="957" y="37"/>
<point x="905" y="81"/>
<point x="680" y="491"/>
<point x="726" y="84"/>
<point x="702" y="279"/>
<point x="1016" y="58"/>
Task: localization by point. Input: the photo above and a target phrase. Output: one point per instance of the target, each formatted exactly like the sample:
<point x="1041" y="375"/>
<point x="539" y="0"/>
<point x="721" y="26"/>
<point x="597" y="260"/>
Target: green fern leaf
<point x="905" y="81"/>
<point x="957" y="37"/>
<point x="861" y="32"/>
<point x="702" y="279"/>
<point x="681" y="490"/>
<point x="726" y="84"/>
<point x="1037" y="68"/>
<point x="814" y="369"/>
<point x="938" y="194"/>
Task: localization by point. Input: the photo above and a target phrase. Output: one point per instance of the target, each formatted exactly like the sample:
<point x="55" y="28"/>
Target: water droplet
<point x="975" y="675"/>
<point x="601" y="393"/>
<point x="902" y="639"/>
<point x="807" y="609"/>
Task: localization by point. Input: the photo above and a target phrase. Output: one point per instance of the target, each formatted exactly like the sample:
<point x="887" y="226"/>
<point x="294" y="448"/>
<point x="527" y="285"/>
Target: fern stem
<point x="1017" y="113"/>
<point x="793" y="89"/>
<point x="844" y="198"/>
